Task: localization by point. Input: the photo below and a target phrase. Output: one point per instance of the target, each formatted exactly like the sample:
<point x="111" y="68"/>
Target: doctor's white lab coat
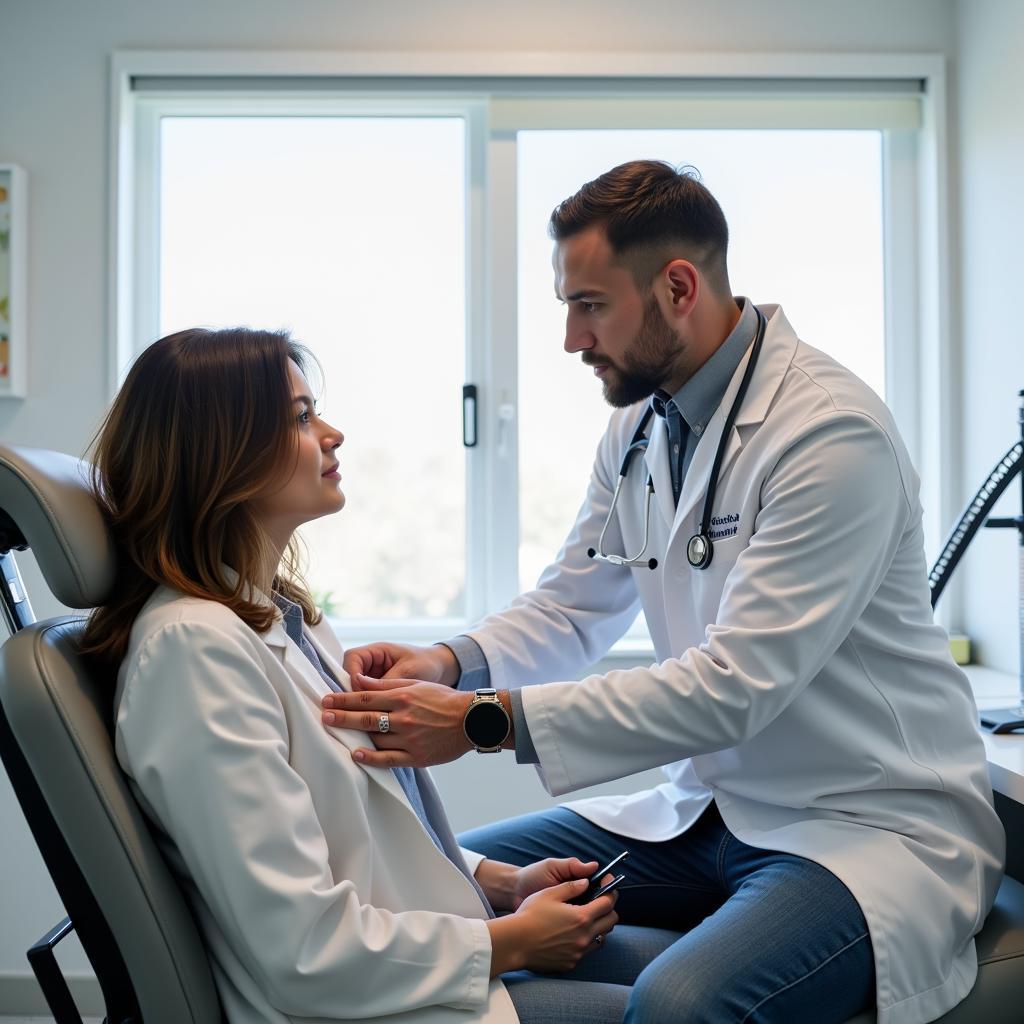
<point x="801" y="682"/>
<point x="319" y="894"/>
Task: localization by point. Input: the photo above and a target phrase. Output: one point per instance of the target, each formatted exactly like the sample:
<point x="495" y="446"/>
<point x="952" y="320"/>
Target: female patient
<point x="323" y="889"/>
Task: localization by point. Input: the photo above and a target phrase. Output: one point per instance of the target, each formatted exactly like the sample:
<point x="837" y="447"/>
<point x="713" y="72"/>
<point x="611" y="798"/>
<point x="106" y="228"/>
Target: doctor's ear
<point x="678" y="286"/>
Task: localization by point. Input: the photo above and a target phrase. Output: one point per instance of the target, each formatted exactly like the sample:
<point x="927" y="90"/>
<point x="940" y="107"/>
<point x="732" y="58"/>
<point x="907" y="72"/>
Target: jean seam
<point x="804" y="977"/>
<point x="722" y="847"/>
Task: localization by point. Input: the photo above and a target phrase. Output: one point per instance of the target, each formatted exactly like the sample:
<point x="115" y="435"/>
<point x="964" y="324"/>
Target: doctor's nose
<point x="577" y="340"/>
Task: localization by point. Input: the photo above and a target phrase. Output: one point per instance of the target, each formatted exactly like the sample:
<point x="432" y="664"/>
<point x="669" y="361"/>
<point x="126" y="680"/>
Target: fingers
<point x="602" y="924"/>
<point x="368" y="684"/>
<point x="359" y="711"/>
<point x="363" y="700"/>
<point x="384" y="758"/>
<point x="605" y="923"/>
<point x="374" y="659"/>
<point x="398" y="670"/>
<point x="360" y="721"/>
<point x="581" y="868"/>
<point x="602" y="908"/>
<point x="565" y="868"/>
<point x="357" y="661"/>
<point x="566" y="891"/>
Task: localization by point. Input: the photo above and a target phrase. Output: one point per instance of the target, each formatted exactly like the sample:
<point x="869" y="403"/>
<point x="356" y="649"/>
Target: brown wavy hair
<point x="202" y="424"/>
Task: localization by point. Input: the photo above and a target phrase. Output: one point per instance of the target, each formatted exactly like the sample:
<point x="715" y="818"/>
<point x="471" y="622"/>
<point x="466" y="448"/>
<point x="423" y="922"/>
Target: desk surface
<point x="1006" y="751"/>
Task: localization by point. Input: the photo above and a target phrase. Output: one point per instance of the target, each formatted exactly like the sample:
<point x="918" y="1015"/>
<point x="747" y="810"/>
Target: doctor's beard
<point x="647" y="363"/>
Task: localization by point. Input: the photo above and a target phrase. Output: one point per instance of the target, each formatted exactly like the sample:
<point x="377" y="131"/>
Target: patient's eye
<point x="307" y="410"/>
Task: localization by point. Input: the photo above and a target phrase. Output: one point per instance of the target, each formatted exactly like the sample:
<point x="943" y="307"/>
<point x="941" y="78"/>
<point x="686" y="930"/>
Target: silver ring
<point x="598" y="939"/>
<point x="384" y="723"/>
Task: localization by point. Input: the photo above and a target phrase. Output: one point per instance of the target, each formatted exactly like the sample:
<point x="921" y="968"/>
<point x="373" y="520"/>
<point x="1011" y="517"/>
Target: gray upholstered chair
<point x="55" y="719"/>
<point x="56" y="744"/>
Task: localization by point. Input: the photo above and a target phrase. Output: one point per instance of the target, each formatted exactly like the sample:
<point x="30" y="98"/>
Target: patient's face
<point x="312" y="484"/>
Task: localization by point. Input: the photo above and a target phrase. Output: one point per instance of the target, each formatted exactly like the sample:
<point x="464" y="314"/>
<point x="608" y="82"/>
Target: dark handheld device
<point x="594" y="889"/>
<point x="589" y="897"/>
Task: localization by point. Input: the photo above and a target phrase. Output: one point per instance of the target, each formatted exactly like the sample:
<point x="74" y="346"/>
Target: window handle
<point x="469" y="417"/>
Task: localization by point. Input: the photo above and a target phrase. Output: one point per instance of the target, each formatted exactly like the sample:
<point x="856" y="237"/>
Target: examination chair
<point x="56" y="743"/>
<point x="55" y="740"/>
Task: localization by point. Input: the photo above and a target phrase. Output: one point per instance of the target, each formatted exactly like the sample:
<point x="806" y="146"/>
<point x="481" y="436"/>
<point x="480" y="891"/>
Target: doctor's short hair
<point x="651" y="213"/>
<point x="203" y="426"/>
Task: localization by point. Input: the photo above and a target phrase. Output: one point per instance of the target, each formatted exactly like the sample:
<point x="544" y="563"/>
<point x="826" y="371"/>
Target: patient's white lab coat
<point x="319" y="893"/>
<point x="802" y="683"/>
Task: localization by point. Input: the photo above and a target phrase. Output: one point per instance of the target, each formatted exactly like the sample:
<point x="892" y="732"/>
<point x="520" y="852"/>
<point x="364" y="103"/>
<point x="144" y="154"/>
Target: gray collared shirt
<point x="686" y="415"/>
<point x="688" y="411"/>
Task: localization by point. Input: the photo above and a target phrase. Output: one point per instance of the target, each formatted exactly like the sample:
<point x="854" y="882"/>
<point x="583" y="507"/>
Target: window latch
<point x="469" y="415"/>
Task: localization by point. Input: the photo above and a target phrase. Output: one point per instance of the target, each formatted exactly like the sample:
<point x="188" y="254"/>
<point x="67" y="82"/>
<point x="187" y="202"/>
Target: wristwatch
<point x="487" y="723"/>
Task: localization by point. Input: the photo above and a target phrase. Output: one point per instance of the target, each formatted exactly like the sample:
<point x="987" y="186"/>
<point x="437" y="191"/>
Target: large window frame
<point x="902" y="95"/>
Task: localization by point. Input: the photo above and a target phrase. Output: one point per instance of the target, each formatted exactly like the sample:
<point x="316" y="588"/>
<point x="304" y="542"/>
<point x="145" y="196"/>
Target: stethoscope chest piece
<point x="699" y="551"/>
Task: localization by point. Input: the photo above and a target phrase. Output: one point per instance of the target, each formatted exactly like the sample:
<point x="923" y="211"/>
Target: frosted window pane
<point x="350" y="233"/>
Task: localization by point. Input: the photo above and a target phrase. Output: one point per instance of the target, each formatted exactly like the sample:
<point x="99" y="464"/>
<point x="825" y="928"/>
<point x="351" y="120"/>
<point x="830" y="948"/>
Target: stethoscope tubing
<point x="699" y="548"/>
<point x="702" y="539"/>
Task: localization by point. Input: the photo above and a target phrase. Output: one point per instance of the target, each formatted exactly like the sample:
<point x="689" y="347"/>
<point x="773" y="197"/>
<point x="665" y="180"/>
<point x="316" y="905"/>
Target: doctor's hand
<point x="422" y="721"/>
<point x="436" y="664"/>
<point x="547" y="933"/>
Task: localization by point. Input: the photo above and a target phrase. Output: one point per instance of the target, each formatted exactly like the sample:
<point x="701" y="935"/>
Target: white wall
<point x="991" y="154"/>
<point x="54" y="121"/>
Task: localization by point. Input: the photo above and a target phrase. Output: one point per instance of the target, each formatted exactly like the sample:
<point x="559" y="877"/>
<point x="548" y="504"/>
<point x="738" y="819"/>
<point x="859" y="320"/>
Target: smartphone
<point x="595" y="880"/>
<point x="613" y="884"/>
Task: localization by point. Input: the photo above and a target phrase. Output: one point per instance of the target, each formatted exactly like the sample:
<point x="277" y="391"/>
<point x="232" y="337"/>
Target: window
<point x="398" y="227"/>
<point x="350" y="232"/>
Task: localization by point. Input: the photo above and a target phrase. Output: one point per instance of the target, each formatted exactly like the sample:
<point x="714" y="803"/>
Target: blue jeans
<point x="740" y="934"/>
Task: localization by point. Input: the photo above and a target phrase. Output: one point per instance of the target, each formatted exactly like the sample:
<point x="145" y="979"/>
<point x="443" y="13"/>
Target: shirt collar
<point x="702" y="394"/>
<point x="292" y="614"/>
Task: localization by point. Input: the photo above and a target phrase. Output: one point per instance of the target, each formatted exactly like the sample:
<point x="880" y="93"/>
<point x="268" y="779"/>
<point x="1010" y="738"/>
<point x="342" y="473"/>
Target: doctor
<point x="825" y="834"/>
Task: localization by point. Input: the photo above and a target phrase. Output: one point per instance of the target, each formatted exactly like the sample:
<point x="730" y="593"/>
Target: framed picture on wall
<point x="13" y="270"/>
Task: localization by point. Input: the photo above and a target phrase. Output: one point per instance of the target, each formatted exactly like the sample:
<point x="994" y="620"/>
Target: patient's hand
<point x="507" y="885"/>
<point x="424" y="721"/>
<point x="547" y="933"/>
<point x="436" y="664"/>
<point x="542" y="874"/>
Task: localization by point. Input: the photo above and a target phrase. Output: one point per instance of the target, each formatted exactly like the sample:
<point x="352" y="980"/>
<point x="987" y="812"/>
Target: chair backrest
<point x="55" y="738"/>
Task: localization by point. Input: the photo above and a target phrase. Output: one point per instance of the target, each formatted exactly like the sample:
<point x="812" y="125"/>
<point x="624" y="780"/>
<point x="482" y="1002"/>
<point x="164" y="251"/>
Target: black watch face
<point x="487" y="724"/>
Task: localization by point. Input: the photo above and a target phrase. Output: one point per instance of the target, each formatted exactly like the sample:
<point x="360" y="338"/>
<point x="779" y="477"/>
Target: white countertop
<point x="1006" y="751"/>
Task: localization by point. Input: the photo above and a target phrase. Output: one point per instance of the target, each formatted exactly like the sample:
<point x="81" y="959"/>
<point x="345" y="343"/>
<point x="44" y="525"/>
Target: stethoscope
<point x="699" y="549"/>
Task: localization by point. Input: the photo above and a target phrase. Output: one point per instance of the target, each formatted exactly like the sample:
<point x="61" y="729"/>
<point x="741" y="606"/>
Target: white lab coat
<point x="801" y="682"/>
<point x="318" y="892"/>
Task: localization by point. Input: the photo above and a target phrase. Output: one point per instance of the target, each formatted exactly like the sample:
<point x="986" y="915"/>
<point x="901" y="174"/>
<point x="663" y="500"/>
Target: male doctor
<point x="825" y="837"/>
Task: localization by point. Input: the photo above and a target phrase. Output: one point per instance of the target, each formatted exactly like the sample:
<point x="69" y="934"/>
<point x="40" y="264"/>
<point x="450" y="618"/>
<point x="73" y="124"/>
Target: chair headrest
<point x="47" y="495"/>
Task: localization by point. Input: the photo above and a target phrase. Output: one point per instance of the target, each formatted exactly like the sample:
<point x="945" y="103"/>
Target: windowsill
<point x="1005" y="752"/>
